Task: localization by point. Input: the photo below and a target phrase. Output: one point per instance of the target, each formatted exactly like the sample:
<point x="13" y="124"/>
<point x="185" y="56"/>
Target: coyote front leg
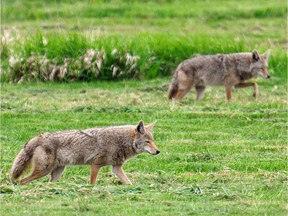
<point x="94" y="172"/>
<point x="118" y="171"/>
<point x="228" y="92"/>
<point x="244" y="85"/>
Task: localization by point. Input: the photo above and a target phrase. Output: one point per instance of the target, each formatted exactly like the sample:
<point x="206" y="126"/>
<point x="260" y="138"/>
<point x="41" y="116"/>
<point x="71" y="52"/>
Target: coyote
<point x="222" y="69"/>
<point x="51" y="152"/>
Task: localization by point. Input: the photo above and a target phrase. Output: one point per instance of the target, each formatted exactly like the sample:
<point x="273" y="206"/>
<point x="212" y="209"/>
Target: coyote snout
<point x="264" y="73"/>
<point x="98" y="147"/>
<point x="151" y="148"/>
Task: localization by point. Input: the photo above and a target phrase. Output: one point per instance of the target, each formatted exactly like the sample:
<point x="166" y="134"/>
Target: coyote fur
<point x="98" y="147"/>
<point x="222" y="69"/>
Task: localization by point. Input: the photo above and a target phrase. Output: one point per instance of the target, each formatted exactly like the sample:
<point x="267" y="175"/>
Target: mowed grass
<point x="217" y="158"/>
<point x="255" y="19"/>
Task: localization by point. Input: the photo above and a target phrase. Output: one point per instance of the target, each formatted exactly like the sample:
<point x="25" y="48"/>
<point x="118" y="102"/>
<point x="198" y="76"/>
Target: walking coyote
<point x="98" y="147"/>
<point x="228" y="70"/>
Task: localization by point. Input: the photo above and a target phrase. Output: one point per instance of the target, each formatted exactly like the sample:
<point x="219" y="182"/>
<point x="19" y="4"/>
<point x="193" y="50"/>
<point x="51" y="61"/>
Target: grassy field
<point x="217" y="158"/>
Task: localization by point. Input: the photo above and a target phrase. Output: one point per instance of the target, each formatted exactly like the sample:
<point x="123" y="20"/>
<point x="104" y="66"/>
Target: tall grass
<point x="73" y="56"/>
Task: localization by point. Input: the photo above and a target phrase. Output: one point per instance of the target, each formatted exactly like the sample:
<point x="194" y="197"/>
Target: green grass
<point x="160" y="34"/>
<point x="165" y="16"/>
<point x="216" y="157"/>
<point x="156" y="56"/>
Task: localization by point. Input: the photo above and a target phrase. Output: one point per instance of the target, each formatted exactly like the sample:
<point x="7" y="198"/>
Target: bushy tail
<point x="173" y="88"/>
<point x="22" y="161"/>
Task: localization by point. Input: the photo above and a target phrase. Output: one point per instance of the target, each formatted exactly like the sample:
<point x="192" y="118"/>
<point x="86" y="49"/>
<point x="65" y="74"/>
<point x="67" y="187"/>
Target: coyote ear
<point x="266" y="54"/>
<point x="140" y="127"/>
<point x="150" y="126"/>
<point x="255" y="56"/>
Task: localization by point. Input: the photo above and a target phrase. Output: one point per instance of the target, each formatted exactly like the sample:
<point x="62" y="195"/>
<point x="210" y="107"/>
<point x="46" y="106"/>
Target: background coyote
<point x="51" y="152"/>
<point x="228" y="70"/>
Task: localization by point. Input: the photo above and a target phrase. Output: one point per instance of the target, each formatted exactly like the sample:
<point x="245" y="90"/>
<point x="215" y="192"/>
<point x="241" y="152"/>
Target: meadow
<point x="217" y="157"/>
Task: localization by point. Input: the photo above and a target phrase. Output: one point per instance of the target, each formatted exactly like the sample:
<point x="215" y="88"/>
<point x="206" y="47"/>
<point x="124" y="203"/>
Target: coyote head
<point x="144" y="139"/>
<point x="259" y="65"/>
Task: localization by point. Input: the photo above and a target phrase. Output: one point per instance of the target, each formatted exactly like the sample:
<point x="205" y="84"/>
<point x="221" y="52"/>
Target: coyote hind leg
<point x="200" y="92"/>
<point x="228" y="92"/>
<point x="56" y="173"/>
<point x="35" y="175"/>
<point x="44" y="163"/>
<point x="185" y="83"/>
<point x="181" y="93"/>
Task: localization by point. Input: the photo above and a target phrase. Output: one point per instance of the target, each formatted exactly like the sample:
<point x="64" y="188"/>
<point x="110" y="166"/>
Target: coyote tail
<point x="22" y="161"/>
<point x="173" y="86"/>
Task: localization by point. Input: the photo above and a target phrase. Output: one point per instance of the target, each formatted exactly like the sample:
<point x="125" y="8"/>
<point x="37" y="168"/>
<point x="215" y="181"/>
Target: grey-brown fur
<point x="222" y="69"/>
<point x="51" y="152"/>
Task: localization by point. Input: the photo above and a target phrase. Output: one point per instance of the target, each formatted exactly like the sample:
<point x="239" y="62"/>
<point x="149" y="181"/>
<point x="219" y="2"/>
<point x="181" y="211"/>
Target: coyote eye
<point x="147" y="142"/>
